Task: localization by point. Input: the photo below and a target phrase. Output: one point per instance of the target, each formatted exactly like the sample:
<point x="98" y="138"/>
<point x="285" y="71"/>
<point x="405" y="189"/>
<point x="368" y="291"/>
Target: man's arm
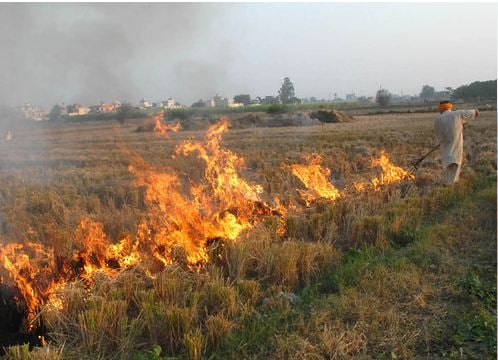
<point x="468" y="114"/>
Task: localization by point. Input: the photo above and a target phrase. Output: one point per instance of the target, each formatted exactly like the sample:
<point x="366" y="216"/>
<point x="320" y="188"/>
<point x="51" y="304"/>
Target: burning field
<point x="163" y="242"/>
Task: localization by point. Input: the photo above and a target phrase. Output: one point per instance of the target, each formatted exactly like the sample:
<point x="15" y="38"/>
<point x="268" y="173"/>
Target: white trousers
<point x="452" y="173"/>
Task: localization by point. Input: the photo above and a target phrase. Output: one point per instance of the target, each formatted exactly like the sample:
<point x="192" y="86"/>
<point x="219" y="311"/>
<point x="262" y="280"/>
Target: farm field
<point x="314" y="242"/>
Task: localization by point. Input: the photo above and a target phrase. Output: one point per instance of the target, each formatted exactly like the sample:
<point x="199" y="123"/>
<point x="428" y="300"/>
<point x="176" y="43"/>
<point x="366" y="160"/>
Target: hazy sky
<point x="91" y="52"/>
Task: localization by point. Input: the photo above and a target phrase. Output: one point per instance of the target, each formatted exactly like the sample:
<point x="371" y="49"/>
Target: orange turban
<point x="445" y="106"/>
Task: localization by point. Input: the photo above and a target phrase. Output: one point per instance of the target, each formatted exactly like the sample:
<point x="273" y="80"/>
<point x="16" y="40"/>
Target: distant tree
<point x="383" y="97"/>
<point x="124" y="112"/>
<point x="243" y="99"/>
<point x="176" y="114"/>
<point x="56" y="113"/>
<point x="313" y="99"/>
<point x="478" y="90"/>
<point x="428" y="92"/>
<point x="286" y="91"/>
<point x="72" y="108"/>
<point x="199" y="104"/>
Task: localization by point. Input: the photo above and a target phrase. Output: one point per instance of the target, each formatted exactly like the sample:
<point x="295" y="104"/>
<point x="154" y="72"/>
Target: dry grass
<point x="22" y="352"/>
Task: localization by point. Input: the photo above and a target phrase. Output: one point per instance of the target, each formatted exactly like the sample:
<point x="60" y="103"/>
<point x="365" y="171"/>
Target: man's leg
<point x="451" y="173"/>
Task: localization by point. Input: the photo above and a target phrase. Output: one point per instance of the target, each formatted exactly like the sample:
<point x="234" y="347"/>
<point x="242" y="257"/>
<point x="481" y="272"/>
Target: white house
<point x="170" y="104"/>
<point x="217" y="101"/>
<point x="145" y="103"/>
<point x="32" y="112"/>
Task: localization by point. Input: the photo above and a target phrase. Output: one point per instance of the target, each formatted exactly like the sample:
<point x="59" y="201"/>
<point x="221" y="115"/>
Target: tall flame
<point x="222" y="168"/>
<point x="222" y="206"/>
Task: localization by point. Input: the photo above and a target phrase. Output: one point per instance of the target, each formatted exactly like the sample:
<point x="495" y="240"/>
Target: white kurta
<point x="449" y="131"/>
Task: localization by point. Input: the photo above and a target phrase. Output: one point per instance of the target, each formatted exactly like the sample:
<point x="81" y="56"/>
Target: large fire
<point x="183" y="217"/>
<point x="221" y="206"/>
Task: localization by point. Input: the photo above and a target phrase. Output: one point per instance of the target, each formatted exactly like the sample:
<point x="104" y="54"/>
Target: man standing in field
<point x="449" y="131"/>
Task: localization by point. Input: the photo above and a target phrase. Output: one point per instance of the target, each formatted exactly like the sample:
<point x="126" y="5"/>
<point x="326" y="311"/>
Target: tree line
<point x="478" y="90"/>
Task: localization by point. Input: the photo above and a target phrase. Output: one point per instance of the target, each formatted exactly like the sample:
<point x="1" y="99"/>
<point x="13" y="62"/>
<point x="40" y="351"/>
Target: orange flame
<point x="222" y="168"/>
<point x="37" y="272"/>
<point x="162" y="128"/>
<point x="391" y="174"/>
<point x="221" y="207"/>
<point x="31" y="269"/>
<point x="315" y="178"/>
<point x="98" y="253"/>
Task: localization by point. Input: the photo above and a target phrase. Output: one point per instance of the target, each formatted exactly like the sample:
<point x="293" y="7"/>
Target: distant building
<point x="83" y="110"/>
<point x="217" y="101"/>
<point x="256" y="101"/>
<point x="400" y="98"/>
<point x="105" y="107"/>
<point x="31" y="112"/>
<point x="295" y="100"/>
<point x="145" y="104"/>
<point x="350" y="97"/>
<point x="233" y="104"/>
<point x="170" y="104"/>
<point x="77" y="109"/>
<point x="271" y="100"/>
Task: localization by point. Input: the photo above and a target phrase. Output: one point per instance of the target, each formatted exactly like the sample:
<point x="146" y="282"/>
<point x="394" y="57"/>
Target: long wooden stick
<point x="417" y="163"/>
